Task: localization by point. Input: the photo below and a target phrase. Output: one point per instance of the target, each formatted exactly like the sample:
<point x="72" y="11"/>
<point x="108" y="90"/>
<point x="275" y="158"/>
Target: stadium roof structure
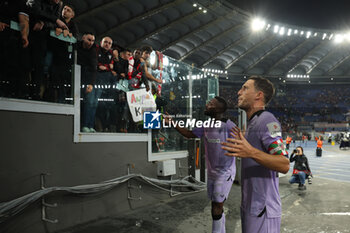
<point x="218" y="37"/>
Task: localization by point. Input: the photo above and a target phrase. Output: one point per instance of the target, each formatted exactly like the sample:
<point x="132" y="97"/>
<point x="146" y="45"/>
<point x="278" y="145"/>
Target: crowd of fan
<point x="37" y="65"/>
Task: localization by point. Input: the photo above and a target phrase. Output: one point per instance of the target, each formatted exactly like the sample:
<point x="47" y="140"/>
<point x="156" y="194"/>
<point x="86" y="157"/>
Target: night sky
<point x="322" y="14"/>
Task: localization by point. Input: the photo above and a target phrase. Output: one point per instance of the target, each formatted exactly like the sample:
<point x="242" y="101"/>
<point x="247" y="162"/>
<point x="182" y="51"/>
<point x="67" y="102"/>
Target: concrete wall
<point x="33" y="143"/>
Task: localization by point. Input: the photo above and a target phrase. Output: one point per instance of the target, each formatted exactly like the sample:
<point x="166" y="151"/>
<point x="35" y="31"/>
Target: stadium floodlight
<point x="268" y="27"/>
<point x="258" y="24"/>
<point x="282" y="31"/>
<point x="339" y="38"/>
<point x="324" y="36"/>
<point x="331" y="36"/>
<point x="315" y="34"/>
<point x="308" y="34"/>
<point x="301" y="33"/>
<point x="200" y="8"/>
<point x="226" y="72"/>
<point x="295" y="31"/>
<point x="276" y="28"/>
<point x="194" y="4"/>
<point x="289" y="32"/>
<point x="347" y="36"/>
<point x="204" y="11"/>
<point x="332" y="79"/>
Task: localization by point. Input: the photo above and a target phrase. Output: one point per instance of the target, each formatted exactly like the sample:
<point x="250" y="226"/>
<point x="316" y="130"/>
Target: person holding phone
<point x="301" y="169"/>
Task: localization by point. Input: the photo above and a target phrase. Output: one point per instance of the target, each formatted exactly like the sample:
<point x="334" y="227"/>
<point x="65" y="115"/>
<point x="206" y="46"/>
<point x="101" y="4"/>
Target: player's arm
<point x="183" y="131"/>
<point x="238" y="146"/>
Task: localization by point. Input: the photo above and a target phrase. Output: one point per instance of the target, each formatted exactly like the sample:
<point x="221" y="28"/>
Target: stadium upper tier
<point x="219" y="37"/>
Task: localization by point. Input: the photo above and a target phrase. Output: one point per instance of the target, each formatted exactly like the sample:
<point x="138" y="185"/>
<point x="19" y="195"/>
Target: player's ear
<point x="260" y="95"/>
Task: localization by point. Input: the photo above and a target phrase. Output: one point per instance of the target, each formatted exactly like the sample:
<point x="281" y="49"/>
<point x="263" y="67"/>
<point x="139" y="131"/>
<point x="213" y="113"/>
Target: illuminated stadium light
<point x="347" y="36"/>
<point x="324" y="36"/>
<point x="339" y="38"/>
<point x="281" y="32"/>
<point x="276" y="28"/>
<point x="332" y="79"/>
<point x="268" y="27"/>
<point x="226" y="72"/>
<point x="315" y="34"/>
<point x="289" y="32"/>
<point x="258" y="24"/>
<point x="295" y="31"/>
<point x="331" y="36"/>
<point x="200" y="8"/>
<point x="301" y="33"/>
<point x="204" y="11"/>
<point x="297" y="76"/>
<point x="308" y="34"/>
<point x="194" y="5"/>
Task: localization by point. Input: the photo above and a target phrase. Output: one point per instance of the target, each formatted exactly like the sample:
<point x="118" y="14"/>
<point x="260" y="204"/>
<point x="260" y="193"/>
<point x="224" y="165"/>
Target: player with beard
<point x="262" y="156"/>
<point x="221" y="169"/>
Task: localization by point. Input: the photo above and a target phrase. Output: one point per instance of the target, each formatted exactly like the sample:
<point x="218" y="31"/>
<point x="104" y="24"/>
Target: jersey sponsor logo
<point x="277" y="148"/>
<point x="274" y="129"/>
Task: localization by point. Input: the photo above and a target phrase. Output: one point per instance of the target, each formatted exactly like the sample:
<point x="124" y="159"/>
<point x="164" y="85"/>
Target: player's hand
<point x="102" y="68"/>
<point x="238" y="146"/>
<point x="58" y="31"/>
<point x="25" y="41"/>
<point x="65" y="33"/>
<point x="3" y="26"/>
<point x="61" y="24"/>
<point x="38" y="26"/>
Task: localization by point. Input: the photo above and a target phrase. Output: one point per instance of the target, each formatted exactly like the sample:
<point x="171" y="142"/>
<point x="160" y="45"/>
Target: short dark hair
<point x="146" y="48"/>
<point x="223" y="103"/>
<point x="70" y="6"/>
<point x="88" y="33"/>
<point x="264" y="85"/>
<point x="124" y="50"/>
